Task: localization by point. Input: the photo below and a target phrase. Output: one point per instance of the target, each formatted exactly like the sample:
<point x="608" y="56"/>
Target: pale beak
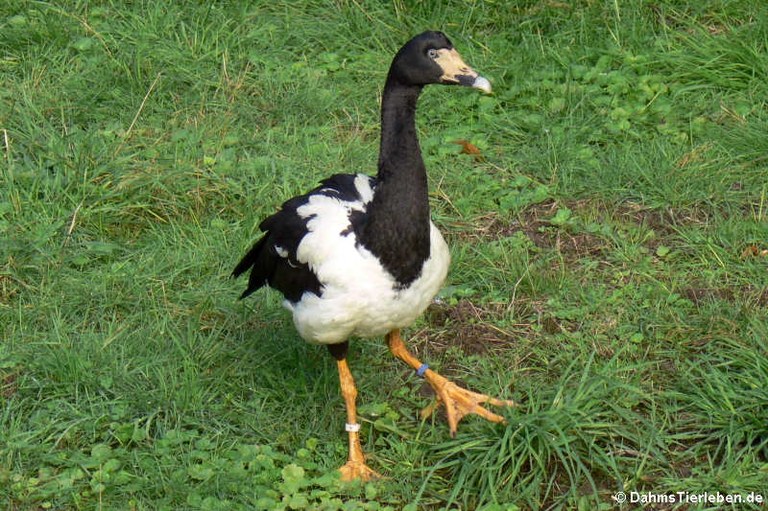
<point x="455" y="71"/>
<point x="482" y="83"/>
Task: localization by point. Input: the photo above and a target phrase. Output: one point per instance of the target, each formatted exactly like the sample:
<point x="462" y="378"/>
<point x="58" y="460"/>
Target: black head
<point x="431" y="58"/>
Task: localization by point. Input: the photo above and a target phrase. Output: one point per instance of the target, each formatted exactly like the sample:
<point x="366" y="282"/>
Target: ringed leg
<point x="458" y="402"/>
<point x="355" y="467"/>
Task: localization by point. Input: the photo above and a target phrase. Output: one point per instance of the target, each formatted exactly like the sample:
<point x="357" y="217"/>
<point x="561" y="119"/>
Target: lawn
<point x="606" y="210"/>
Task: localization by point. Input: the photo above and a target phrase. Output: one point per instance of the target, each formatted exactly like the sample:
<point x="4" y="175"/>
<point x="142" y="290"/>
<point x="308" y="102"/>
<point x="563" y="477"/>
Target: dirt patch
<point x="659" y="226"/>
<point x="577" y="245"/>
<point x="535" y="223"/>
<point x="8" y="385"/>
<point x="747" y="293"/>
<point x="467" y="327"/>
<point x="664" y="222"/>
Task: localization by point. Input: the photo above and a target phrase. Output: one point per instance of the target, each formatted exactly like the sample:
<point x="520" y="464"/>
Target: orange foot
<point x="460" y="402"/>
<point x="357" y="471"/>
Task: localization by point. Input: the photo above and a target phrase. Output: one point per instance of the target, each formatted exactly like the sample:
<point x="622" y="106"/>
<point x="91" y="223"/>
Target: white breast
<point x="359" y="297"/>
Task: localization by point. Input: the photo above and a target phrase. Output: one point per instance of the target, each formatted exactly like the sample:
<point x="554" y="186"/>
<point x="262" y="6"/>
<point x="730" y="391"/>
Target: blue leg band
<point x="421" y="370"/>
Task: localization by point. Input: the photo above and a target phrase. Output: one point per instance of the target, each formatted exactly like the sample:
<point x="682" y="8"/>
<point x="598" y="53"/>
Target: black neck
<point x="396" y="229"/>
<point x="399" y="154"/>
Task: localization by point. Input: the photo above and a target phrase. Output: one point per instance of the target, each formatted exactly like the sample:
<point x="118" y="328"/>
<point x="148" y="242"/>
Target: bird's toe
<point x="357" y="471"/>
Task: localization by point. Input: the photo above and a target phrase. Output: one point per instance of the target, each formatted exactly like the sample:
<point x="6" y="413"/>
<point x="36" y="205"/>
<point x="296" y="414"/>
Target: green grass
<point x="608" y="268"/>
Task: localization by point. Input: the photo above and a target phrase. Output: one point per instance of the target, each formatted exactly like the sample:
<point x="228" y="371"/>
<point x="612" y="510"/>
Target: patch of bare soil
<point x="467" y="327"/>
<point x="663" y="221"/>
<point x="701" y="295"/>
<point x="535" y="223"/>
<point x="8" y="385"/>
<point x="480" y="330"/>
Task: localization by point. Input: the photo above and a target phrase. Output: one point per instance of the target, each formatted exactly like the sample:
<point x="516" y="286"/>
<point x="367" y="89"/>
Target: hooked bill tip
<point x="483" y="84"/>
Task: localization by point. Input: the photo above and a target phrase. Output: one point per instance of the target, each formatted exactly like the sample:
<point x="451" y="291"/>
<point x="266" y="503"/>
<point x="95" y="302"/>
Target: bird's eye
<point x="432" y="53"/>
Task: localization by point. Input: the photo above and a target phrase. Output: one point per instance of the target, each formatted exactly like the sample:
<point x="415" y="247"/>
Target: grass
<point x="608" y="242"/>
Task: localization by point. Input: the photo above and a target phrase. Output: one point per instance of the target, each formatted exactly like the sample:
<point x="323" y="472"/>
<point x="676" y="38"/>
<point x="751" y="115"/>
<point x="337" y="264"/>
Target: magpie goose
<point x="358" y="256"/>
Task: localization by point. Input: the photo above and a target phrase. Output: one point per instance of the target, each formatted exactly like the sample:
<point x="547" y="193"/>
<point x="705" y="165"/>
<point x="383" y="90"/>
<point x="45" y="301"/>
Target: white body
<point x="359" y="297"/>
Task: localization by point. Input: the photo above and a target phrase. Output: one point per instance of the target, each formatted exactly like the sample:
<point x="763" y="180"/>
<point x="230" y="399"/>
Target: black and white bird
<point x="358" y="256"/>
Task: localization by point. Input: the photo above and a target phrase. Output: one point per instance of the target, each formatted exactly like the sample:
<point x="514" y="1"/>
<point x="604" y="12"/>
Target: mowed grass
<point x="608" y="226"/>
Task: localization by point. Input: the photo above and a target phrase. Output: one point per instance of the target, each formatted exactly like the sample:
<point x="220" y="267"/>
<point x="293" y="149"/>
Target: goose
<point x="358" y="256"/>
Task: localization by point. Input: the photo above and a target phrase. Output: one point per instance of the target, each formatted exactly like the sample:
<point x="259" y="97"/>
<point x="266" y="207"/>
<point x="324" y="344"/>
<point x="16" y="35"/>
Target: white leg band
<point x="352" y="428"/>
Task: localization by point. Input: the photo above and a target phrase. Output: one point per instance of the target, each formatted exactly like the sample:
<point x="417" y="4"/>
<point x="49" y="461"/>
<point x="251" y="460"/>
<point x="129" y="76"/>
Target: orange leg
<point x="458" y="401"/>
<point x="355" y="468"/>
